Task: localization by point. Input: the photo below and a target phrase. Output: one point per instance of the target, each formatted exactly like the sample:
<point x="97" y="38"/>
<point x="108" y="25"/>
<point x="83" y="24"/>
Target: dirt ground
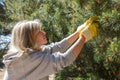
<point x="1" y="74"/>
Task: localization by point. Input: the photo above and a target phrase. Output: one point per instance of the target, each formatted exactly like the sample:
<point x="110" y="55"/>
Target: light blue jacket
<point x="39" y="64"/>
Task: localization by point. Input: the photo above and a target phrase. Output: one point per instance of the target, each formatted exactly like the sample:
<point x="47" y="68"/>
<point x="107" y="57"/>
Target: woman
<point x="28" y="57"/>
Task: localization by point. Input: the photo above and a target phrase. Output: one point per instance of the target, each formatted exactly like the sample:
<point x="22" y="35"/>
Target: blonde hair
<point x="24" y="36"/>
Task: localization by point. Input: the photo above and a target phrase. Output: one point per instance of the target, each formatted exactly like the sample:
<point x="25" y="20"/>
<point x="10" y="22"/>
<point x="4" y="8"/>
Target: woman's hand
<point x="90" y="31"/>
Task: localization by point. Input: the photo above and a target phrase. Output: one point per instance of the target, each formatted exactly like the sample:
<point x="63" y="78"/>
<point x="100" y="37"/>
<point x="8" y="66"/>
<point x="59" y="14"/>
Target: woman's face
<point x="41" y="38"/>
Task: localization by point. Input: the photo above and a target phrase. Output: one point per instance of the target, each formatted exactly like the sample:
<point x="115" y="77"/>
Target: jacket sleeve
<point x="61" y="46"/>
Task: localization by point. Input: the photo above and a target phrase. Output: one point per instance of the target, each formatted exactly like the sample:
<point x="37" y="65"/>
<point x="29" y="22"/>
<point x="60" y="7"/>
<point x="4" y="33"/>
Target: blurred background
<point x="99" y="59"/>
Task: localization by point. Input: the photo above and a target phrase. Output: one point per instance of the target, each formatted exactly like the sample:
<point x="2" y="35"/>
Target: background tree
<point x="100" y="58"/>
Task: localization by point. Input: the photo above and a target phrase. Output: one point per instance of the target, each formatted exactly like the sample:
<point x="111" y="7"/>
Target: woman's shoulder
<point x="9" y="56"/>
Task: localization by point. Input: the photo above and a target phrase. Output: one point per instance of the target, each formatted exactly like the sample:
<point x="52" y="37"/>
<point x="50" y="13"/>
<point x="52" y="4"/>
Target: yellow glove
<point x="81" y="27"/>
<point x="88" y="22"/>
<point x="91" y="29"/>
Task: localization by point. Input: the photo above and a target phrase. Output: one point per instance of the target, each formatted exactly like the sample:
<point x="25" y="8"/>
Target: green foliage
<point x="100" y="58"/>
<point x="2" y="10"/>
<point x="110" y="59"/>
